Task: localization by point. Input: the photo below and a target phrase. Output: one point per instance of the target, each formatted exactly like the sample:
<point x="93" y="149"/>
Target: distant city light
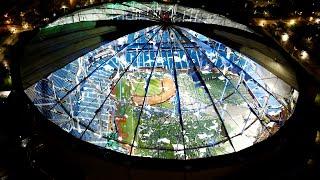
<point x="13" y="30"/>
<point x="262" y="23"/>
<point x="304" y="54"/>
<point x="317" y="20"/>
<point x="5" y="64"/>
<point x="64" y="7"/>
<point x="310" y="18"/>
<point x="285" y="37"/>
<point x="25" y="25"/>
<point x="308" y="39"/>
<point x="8" y="21"/>
<point x="22" y="14"/>
<point x="292" y="22"/>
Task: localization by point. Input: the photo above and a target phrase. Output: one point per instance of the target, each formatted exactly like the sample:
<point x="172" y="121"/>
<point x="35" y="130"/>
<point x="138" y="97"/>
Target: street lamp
<point x="310" y="18"/>
<point x="291" y="22"/>
<point x="304" y="54"/>
<point x="285" y="37"/>
<point x="13" y="30"/>
<point x="64" y="7"/>
<point x="8" y="21"/>
<point x="262" y="23"/>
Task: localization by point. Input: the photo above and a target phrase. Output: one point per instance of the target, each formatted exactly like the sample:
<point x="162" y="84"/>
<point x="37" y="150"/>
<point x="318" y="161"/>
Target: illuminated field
<point x="155" y="93"/>
<point x="155" y="87"/>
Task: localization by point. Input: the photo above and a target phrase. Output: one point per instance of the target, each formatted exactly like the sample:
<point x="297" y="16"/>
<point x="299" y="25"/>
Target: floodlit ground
<point x="158" y="123"/>
<point x="165" y="100"/>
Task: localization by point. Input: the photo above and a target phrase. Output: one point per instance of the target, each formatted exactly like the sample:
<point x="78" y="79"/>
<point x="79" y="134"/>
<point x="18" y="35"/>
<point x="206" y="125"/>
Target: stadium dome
<point x="161" y="91"/>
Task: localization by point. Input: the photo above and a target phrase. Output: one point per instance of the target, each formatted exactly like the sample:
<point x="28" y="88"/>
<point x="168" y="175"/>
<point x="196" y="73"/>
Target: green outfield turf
<point x="123" y="92"/>
<point x="130" y="124"/>
<point x="155" y="87"/>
